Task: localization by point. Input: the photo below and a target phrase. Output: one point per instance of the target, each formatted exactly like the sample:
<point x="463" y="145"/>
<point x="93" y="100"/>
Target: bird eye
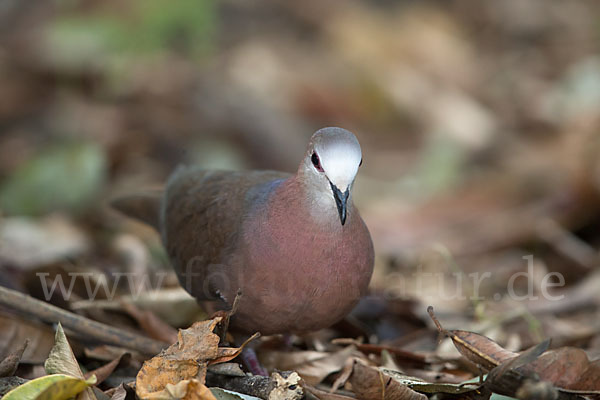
<point x="316" y="162"/>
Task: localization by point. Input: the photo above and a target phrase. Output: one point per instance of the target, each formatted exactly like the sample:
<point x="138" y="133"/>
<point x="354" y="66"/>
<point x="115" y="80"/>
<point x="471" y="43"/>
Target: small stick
<point x="82" y="325"/>
<point x="224" y="324"/>
<point x="567" y="244"/>
<point x="435" y="320"/>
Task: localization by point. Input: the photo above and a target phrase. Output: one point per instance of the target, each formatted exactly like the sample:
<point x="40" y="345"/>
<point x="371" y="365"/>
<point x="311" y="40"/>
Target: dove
<point x="293" y="246"/>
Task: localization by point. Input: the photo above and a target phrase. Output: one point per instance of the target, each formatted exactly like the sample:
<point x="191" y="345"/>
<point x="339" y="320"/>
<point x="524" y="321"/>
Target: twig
<point x="224" y="325"/>
<point x="285" y="384"/>
<point x="567" y="244"/>
<point x="82" y="325"/>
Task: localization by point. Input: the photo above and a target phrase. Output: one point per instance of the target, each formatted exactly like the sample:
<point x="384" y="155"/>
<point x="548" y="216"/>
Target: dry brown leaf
<point x="506" y="379"/>
<point x="477" y="348"/>
<point x="185" y="390"/>
<point x="312" y="366"/>
<point x="108" y="353"/>
<point x="155" y="327"/>
<point x="343" y="376"/>
<point x="185" y="360"/>
<point x="229" y="353"/>
<point x="159" y="372"/>
<point x="400" y="355"/>
<point x="198" y="391"/>
<point x="323" y="395"/>
<point x="106" y="370"/>
<point x="15" y="329"/>
<point x="9" y="364"/>
<point x="121" y="392"/>
<point x="480" y="349"/>
<point x="285" y="360"/>
<point x="567" y="368"/>
<point x="369" y="383"/>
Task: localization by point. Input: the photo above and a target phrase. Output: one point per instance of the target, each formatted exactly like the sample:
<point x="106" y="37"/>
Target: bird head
<point x="329" y="168"/>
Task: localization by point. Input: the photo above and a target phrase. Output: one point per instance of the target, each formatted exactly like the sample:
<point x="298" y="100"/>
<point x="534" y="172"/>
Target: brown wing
<point x="200" y="219"/>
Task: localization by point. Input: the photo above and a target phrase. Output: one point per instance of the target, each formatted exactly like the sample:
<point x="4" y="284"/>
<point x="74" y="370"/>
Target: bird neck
<point x="302" y="200"/>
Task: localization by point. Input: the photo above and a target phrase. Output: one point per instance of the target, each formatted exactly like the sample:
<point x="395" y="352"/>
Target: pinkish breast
<point x="299" y="276"/>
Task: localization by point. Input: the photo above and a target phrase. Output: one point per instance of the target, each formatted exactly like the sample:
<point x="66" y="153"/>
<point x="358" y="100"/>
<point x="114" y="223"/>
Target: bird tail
<point x="144" y="207"/>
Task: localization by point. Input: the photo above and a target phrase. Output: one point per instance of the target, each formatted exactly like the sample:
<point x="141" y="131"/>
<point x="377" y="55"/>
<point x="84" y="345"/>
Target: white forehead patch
<point x="340" y="155"/>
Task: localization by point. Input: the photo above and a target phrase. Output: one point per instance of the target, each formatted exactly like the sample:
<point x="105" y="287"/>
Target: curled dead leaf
<point x="106" y="370"/>
<point x="476" y="348"/>
<point x="567" y="368"/>
<point x="369" y="383"/>
<point x="186" y="360"/>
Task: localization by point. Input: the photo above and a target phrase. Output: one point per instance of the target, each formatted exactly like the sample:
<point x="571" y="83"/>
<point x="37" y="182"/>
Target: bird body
<point x="295" y="246"/>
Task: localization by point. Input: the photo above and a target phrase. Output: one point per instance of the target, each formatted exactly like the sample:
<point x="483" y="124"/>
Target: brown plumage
<point x="294" y="245"/>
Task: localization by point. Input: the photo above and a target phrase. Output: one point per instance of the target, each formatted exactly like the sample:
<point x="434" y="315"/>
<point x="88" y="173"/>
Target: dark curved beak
<point x="340" y="201"/>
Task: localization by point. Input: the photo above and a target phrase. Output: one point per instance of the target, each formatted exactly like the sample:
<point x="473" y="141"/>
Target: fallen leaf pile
<point x="565" y="370"/>
<point x="64" y="378"/>
<point x="197" y="364"/>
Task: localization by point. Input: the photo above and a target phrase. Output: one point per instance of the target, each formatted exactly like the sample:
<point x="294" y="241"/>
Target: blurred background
<point x="479" y="123"/>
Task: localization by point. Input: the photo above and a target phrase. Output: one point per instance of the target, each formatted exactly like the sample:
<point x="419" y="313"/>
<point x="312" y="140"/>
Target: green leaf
<point x="61" y="359"/>
<point x="66" y="177"/>
<point x="184" y="26"/>
<point x="441" y="163"/>
<point x="50" y="387"/>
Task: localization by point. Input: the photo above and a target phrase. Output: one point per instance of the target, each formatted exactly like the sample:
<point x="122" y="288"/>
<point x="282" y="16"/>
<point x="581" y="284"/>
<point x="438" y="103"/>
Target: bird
<point x="293" y="246"/>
